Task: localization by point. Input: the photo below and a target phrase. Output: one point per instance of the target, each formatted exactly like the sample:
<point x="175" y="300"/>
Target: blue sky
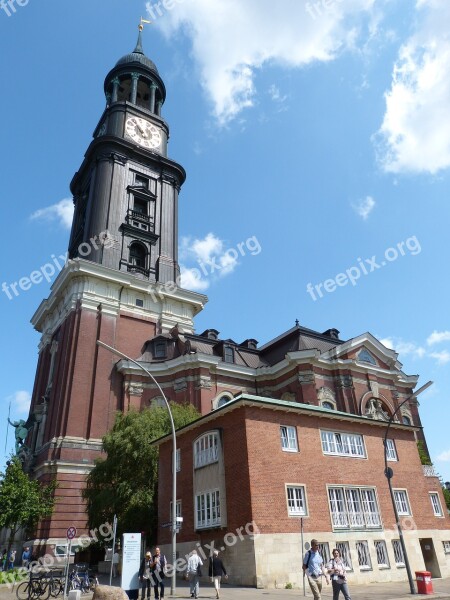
<point x="317" y="138"/>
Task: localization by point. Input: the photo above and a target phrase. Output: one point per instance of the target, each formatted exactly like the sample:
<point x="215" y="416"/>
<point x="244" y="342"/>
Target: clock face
<point x="143" y="133"/>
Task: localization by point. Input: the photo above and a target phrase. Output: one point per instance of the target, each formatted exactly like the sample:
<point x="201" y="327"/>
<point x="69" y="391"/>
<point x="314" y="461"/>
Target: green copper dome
<point x="137" y="57"/>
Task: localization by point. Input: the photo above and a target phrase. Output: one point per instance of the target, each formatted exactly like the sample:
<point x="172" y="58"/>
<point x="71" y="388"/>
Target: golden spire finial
<point x="141" y="24"/>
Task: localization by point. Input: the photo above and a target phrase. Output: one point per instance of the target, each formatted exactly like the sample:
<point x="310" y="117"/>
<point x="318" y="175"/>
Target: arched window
<point x="328" y="405"/>
<point x="137" y="255"/>
<point x="206" y="449"/>
<point x="406" y="420"/>
<point x="222" y="401"/>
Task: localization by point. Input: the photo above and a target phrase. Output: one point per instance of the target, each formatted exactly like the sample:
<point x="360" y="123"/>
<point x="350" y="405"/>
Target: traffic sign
<point x="71" y="533"/>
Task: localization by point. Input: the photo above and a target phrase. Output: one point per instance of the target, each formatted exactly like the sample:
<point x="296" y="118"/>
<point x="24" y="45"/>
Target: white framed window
<point x="353" y="508"/>
<point x="436" y="504"/>
<point x="391" y="451"/>
<point x="61" y="550"/>
<point x="362" y="548"/>
<point x="206" y="449"/>
<point x="342" y="444"/>
<point x="324" y="549"/>
<point x="398" y="553"/>
<point x="344" y="549"/>
<point x="288" y="438"/>
<point x="296" y="500"/>
<point x="382" y="554"/>
<point x="401" y="502"/>
<point x="446" y="547"/>
<point x="207" y="509"/>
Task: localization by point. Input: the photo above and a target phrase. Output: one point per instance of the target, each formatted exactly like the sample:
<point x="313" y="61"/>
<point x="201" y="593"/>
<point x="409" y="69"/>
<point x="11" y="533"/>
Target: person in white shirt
<point x="194" y="573"/>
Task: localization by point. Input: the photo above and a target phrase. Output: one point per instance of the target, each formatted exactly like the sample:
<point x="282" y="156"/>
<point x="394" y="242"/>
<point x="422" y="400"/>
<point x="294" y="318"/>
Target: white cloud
<point x="364" y="207"/>
<point x="212" y="260"/>
<point x="404" y="348"/>
<point x="437" y="337"/>
<point x="415" y="133"/>
<point x="442" y="357"/>
<point x="444" y="456"/>
<point x="61" y="211"/>
<point x="231" y="39"/>
<point x="20" y="402"/>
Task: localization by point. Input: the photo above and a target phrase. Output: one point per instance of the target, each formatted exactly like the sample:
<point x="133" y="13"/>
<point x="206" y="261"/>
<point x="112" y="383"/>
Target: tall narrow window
<point x="382" y="554"/>
<point x="288" y="438"/>
<point x="401" y="502"/>
<point x="137" y="255"/>
<point x="228" y="354"/>
<point x="398" y="553"/>
<point x="436" y="504"/>
<point x="362" y="548"/>
<point x="344" y="549"/>
<point x="391" y="452"/>
<point x="296" y="500"/>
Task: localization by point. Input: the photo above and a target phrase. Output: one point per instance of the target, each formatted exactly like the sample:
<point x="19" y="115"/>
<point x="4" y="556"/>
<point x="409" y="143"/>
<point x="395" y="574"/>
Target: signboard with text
<point x="131" y="560"/>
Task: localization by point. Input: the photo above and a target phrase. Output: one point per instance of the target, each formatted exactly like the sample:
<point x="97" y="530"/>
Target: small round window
<point x="223" y="400"/>
<point x="327" y="405"/>
<point x="406" y="420"/>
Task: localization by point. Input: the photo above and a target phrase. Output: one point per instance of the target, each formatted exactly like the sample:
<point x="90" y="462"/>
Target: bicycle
<point x="79" y="579"/>
<point x="35" y="588"/>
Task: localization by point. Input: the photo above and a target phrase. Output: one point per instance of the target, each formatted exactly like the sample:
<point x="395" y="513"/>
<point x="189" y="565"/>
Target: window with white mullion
<point x="436" y="503"/>
<point x="344" y="549"/>
<point x="337" y="504"/>
<point x="206" y="450"/>
<point x="288" y="438"/>
<point x="401" y="502"/>
<point x="446" y="545"/>
<point x="370" y="508"/>
<point x="362" y="549"/>
<point x="391" y="452"/>
<point x="342" y="444"/>
<point x="208" y="509"/>
<point x="296" y="500"/>
<point x="398" y="553"/>
<point x="382" y="554"/>
<point x="354" y="507"/>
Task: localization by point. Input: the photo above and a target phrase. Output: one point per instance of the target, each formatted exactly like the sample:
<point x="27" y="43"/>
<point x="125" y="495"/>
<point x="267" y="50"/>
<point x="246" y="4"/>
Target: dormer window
<point x="228" y="354"/>
<point x="160" y="349"/>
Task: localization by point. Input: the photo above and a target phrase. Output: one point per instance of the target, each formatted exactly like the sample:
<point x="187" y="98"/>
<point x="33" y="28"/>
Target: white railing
<point x="429" y="471"/>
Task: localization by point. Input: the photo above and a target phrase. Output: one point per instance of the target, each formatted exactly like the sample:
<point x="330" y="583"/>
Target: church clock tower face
<point x="143" y="132"/>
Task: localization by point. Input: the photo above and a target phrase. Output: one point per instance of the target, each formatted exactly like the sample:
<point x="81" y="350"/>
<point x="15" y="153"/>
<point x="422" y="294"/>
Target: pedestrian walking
<point x="26" y="556"/>
<point x="314" y="569"/>
<point x="4" y="559"/>
<point x="11" y="559"/>
<point x="338" y="573"/>
<point x="158" y="566"/>
<point x="216" y="571"/>
<point x="194" y="572"/>
<point x="145" y="575"/>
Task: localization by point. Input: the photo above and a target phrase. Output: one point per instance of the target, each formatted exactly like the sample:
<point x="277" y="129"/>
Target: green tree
<point x="125" y="482"/>
<point x="446" y="496"/>
<point x="423" y="454"/>
<point x="23" y="501"/>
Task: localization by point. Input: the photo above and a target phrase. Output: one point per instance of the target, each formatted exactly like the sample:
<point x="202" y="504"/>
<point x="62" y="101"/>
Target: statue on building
<point x="374" y="410"/>
<point x="22" y="428"/>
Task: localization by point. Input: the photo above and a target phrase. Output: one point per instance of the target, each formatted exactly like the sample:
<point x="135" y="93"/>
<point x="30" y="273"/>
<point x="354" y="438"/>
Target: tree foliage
<point x="125" y="482"/>
<point x="23" y="501"/>
<point x="423" y="454"/>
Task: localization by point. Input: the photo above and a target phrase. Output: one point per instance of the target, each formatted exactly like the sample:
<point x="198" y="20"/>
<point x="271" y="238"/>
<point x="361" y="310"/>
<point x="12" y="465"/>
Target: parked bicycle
<point x="37" y="587"/>
<point x="81" y="579"/>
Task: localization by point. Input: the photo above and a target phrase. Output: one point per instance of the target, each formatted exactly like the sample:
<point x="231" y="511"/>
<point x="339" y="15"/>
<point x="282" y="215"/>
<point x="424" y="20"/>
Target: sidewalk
<point x="382" y="591"/>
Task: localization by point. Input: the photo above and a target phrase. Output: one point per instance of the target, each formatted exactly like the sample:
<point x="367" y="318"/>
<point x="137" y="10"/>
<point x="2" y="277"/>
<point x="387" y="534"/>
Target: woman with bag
<point x="216" y="570"/>
<point x="194" y="573"/>
<point x="338" y="573"/>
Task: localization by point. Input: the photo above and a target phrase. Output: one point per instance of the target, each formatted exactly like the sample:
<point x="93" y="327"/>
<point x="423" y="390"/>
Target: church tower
<point x="120" y="285"/>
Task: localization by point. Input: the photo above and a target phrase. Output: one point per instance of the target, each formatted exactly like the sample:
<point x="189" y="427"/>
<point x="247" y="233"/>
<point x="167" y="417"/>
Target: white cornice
<point x="93" y="285"/>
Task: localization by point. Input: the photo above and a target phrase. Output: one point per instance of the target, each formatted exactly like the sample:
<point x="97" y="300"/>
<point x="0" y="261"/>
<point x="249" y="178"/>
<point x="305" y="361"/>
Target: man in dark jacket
<point x="158" y="565"/>
<point x="216" y="570"/>
<point x="145" y="574"/>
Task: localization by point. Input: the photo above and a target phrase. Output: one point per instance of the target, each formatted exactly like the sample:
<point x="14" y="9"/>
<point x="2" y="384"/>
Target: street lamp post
<point x="174" y="460"/>
<point x="389" y="474"/>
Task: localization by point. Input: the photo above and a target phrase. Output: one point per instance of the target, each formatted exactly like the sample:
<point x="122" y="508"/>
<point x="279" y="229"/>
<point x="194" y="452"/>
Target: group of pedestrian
<point x="8" y="559"/>
<point x="314" y="569"/>
<point x="151" y="574"/>
<point x="193" y="572"/>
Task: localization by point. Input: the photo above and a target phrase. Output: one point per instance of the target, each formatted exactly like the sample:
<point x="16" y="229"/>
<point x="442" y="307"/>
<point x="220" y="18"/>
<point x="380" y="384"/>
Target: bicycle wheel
<point x="56" y="587"/>
<point x="22" y="590"/>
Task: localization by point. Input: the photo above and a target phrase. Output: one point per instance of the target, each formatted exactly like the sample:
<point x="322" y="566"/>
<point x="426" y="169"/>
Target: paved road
<point x="382" y="591"/>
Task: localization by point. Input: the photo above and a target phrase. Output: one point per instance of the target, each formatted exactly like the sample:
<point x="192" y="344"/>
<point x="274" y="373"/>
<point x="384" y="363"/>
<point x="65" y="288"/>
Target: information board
<point x="131" y="560"/>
